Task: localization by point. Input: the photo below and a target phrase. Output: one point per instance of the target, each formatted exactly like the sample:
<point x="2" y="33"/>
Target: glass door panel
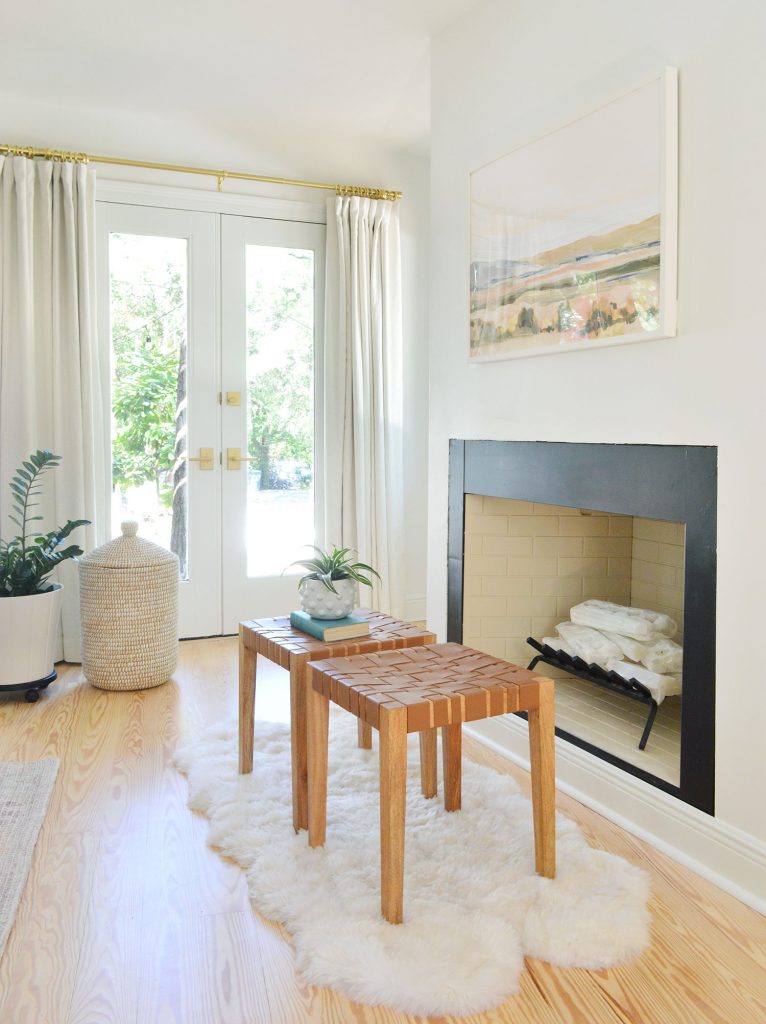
<point x="149" y="323"/>
<point x="280" y="299"/>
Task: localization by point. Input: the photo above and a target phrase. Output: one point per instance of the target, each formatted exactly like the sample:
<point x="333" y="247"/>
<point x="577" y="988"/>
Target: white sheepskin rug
<point x="473" y="906"/>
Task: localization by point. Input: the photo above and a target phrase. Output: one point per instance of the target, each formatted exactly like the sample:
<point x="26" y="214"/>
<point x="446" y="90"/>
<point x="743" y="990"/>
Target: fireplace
<point x="537" y="527"/>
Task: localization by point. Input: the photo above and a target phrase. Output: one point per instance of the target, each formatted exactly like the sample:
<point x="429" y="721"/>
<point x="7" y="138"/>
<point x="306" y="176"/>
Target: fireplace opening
<point x="534" y="571"/>
<point x="537" y="532"/>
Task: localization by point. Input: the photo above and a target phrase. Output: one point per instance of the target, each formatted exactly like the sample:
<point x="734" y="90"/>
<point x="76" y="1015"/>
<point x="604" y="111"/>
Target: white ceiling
<point x="339" y="71"/>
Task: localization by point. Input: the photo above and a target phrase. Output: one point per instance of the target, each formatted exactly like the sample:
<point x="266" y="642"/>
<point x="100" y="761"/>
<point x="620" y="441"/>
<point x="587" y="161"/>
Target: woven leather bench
<point x="420" y="690"/>
<point x="277" y="641"/>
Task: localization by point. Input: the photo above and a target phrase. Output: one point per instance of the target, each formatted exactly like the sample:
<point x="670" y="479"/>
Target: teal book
<point x="330" y="629"/>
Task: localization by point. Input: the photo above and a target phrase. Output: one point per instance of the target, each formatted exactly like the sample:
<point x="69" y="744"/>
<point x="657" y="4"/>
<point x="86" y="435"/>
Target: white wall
<point x="196" y="143"/>
<point x="507" y="73"/>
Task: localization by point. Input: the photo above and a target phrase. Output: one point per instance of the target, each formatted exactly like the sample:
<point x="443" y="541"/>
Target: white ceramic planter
<point x="321" y="603"/>
<point x="28" y="631"/>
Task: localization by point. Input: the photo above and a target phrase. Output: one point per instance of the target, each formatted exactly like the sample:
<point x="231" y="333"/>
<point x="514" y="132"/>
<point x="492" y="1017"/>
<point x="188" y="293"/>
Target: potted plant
<point x="330" y="589"/>
<point x="30" y="604"/>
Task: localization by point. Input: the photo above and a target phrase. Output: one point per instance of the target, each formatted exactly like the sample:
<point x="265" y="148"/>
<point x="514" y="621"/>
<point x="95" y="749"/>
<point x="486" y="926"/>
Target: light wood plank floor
<point x="129" y="917"/>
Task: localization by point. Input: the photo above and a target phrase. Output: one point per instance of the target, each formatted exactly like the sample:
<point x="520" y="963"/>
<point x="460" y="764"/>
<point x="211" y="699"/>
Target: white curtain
<point x="51" y="394"/>
<point x="363" y="445"/>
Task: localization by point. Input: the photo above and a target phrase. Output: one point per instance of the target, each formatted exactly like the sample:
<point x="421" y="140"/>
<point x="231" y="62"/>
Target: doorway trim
<point x="136" y="193"/>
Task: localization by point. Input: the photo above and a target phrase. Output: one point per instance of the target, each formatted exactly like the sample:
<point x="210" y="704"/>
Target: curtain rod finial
<point x="367" y="193"/>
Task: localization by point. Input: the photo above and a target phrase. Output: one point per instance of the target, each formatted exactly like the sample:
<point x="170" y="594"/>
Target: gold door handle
<point x="206" y="458"/>
<point x="234" y="460"/>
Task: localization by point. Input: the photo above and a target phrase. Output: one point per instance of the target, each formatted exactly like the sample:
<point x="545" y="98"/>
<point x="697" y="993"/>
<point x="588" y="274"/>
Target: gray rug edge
<point x="14" y="874"/>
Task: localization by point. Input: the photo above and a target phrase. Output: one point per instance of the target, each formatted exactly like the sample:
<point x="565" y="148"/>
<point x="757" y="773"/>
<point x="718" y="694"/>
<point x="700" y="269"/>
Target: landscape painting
<point x="573" y="235"/>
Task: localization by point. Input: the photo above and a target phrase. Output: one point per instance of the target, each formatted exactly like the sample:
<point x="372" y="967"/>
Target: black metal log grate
<point x="600" y="676"/>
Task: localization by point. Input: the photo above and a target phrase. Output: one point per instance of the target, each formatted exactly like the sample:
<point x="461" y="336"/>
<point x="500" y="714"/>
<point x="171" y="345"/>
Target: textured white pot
<point x="28" y="630"/>
<point x="321" y="603"/>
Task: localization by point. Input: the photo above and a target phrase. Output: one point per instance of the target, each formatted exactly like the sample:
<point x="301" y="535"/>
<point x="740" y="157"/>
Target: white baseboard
<point x="725" y="855"/>
<point x="416" y="608"/>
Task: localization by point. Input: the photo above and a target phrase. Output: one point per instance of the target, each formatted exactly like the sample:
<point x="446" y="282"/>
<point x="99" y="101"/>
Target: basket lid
<point x="129" y="551"/>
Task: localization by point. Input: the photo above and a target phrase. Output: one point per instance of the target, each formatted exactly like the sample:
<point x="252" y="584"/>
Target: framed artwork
<point x="574" y="235"/>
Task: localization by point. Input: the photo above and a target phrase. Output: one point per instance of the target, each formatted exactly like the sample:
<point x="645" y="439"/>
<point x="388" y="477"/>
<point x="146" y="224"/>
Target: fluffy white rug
<point x="473" y="905"/>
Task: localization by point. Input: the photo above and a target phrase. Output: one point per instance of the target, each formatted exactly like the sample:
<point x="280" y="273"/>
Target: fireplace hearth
<point x="536" y="527"/>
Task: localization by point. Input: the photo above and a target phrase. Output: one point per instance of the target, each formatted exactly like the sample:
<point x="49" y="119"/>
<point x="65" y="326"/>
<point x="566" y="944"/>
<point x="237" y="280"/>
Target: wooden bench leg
<point x="452" y="745"/>
<point x="393" y="795"/>
<point x="299" y="745"/>
<point x="318" y="707"/>
<point x="428" y="762"/>
<point x="364" y="735"/>
<point x="542" y="761"/>
<point x="248" y="661"/>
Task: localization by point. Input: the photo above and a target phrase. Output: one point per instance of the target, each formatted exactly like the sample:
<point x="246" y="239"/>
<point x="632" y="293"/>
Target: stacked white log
<point x="636" y="643"/>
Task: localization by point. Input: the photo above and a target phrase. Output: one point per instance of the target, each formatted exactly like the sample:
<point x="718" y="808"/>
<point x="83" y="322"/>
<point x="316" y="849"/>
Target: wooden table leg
<point x="318" y="727"/>
<point x="452" y="748"/>
<point x="298" y="743"/>
<point x="428" y="763"/>
<point x="248" y="661"/>
<point x="393" y="795"/>
<point x="542" y="762"/>
<point x="364" y="735"/>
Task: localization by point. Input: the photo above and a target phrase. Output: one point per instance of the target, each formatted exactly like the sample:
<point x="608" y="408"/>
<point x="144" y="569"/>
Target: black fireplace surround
<point x="670" y="482"/>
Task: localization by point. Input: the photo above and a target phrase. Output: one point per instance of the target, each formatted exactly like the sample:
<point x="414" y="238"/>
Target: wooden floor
<point x="129" y="917"/>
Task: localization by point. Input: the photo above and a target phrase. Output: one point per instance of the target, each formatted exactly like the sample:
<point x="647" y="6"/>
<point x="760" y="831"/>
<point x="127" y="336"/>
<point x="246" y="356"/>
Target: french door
<point x="213" y="324"/>
<point x="272" y="285"/>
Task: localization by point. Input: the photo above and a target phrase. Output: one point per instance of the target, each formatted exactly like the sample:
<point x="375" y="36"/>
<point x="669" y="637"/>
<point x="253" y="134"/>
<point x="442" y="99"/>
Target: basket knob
<point x="129" y="528"/>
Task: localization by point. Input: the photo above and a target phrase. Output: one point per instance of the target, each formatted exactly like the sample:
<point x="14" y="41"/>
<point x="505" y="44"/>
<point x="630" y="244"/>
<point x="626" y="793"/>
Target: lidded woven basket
<point x="129" y="613"/>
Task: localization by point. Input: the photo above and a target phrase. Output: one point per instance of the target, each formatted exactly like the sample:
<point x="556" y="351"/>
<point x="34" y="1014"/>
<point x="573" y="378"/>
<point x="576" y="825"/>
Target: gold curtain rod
<point x="83" y="158"/>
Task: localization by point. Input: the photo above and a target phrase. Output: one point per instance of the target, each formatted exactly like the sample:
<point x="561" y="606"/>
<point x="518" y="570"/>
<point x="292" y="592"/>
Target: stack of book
<point x="330" y="629"/>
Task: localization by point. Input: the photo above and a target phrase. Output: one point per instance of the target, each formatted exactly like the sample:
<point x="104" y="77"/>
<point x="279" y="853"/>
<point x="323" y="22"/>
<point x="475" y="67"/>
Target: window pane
<point x="280" y="407"/>
<point x="149" y="322"/>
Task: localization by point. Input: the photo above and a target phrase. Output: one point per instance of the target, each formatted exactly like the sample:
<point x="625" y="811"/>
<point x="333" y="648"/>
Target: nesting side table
<point x="441" y="685"/>
<point x="276" y="640"/>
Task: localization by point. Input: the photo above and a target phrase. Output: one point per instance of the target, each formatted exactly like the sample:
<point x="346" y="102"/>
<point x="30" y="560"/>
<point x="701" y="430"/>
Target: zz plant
<point x="333" y="565"/>
<point x="27" y="560"/>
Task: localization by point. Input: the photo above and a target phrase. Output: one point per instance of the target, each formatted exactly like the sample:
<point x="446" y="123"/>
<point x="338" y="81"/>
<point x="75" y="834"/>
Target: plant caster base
<point x="31" y="689"/>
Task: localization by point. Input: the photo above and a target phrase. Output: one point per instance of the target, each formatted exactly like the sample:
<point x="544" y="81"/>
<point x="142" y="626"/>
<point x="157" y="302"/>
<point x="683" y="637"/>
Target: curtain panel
<point x="363" y="444"/>
<point x="51" y="390"/>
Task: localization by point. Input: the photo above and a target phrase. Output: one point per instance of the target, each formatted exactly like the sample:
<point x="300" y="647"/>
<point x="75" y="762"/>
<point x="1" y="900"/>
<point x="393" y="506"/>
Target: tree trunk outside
<point x="264" y="464"/>
<point x="178" y="532"/>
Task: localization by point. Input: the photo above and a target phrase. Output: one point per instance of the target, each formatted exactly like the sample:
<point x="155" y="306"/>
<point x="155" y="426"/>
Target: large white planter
<point x="321" y="603"/>
<point x="28" y="633"/>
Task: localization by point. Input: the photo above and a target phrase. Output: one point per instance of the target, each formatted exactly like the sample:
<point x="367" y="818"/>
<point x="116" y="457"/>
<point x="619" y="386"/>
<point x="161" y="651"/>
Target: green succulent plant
<point x="333" y="565"/>
<point x="27" y="561"/>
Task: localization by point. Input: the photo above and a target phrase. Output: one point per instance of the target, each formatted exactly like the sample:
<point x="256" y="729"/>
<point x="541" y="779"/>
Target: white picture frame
<point x="573" y="236"/>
